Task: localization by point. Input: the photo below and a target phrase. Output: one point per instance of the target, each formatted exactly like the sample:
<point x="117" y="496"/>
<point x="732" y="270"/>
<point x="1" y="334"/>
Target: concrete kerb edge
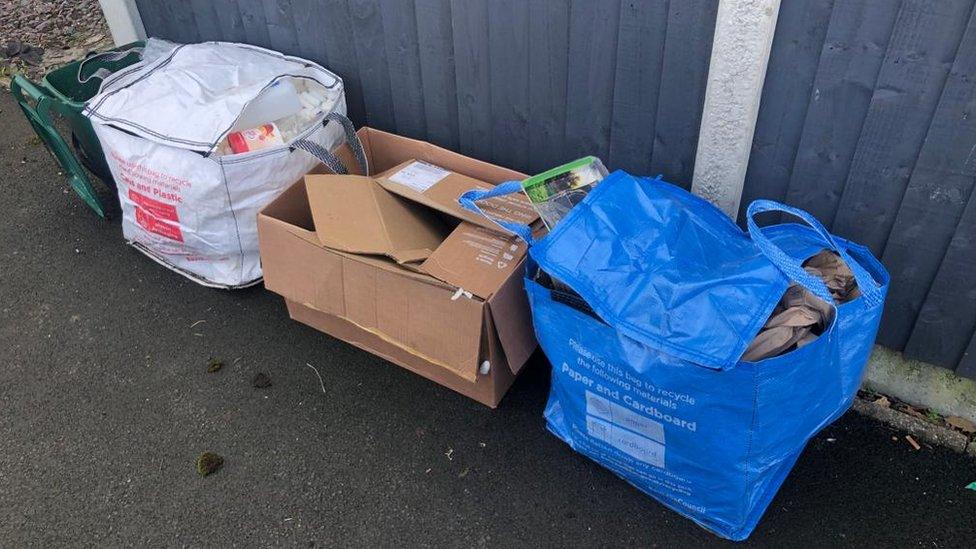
<point x="921" y="384"/>
<point x="925" y="386"/>
<point x="916" y="427"/>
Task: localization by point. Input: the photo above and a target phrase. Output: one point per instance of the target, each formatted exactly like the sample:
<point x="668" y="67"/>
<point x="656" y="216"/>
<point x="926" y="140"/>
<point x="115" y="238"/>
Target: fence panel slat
<point x="792" y="68"/>
<point x="852" y="55"/>
<point x="967" y="366"/>
<point x="281" y="26"/>
<point x="919" y="57"/>
<point x="436" y="39"/>
<point x="374" y="74"/>
<point x="403" y="62"/>
<point x="548" y="63"/>
<point x="508" y="77"/>
<point x="637" y="83"/>
<point x="933" y="204"/>
<point x="469" y="19"/>
<point x="207" y="20"/>
<point x="687" y="50"/>
<point x="947" y="320"/>
<point x="332" y="19"/>
<point x="230" y="26"/>
<point x="255" y="22"/>
<point x="592" y="54"/>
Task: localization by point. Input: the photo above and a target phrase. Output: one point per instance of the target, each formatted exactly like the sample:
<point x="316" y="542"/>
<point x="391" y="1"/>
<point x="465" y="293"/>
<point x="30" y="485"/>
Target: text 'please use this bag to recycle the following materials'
<point x="648" y="379"/>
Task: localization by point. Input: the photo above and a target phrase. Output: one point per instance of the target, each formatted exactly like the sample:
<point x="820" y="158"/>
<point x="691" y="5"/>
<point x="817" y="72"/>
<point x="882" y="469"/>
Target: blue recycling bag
<point x="647" y="378"/>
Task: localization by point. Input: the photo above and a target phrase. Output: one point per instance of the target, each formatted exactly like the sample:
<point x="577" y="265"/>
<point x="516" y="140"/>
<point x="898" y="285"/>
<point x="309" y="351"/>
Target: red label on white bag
<point x="158" y="209"/>
<point x="147" y="221"/>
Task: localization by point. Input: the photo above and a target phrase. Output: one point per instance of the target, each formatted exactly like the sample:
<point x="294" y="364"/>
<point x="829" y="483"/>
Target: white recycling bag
<point x="160" y="123"/>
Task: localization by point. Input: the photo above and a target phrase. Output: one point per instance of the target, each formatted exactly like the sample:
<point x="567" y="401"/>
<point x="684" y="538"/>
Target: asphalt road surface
<point x="105" y="402"/>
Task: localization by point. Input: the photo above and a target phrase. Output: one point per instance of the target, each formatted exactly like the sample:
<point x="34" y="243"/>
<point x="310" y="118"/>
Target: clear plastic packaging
<point x="279" y="100"/>
<point x="156" y="48"/>
<point x="553" y="193"/>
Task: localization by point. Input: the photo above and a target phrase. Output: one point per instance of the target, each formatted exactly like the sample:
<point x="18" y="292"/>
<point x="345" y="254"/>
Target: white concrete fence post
<point x="740" y="52"/>
<point x="124" y="20"/>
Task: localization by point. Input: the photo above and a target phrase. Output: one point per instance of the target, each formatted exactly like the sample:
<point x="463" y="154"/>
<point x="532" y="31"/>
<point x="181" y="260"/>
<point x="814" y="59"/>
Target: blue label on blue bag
<point x="623" y="421"/>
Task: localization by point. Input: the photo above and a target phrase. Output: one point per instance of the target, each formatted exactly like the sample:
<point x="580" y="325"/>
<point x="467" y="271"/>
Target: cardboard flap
<point x="420" y="318"/>
<point x="439" y="189"/>
<point x="405" y="257"/>
<point x="353" y="214"/>
<point x="476" y="259"/>
<point x="509" y="308"/>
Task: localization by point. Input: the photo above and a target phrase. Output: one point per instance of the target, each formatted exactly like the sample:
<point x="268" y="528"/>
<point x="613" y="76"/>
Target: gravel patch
<point x="37" y="36"/>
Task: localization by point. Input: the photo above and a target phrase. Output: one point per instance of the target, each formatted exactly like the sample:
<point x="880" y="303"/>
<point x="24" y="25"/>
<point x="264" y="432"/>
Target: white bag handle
<point x="108" y="56"/>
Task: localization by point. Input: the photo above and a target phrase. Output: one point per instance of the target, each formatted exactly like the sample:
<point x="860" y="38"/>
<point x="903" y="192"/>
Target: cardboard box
<point x="377" y="262"/>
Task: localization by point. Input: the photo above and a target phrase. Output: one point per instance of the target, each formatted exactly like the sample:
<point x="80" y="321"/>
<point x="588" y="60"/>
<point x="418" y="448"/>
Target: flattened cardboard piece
<point x="447" y="330"/>
<point x="428" y="184"/>
<point x="353" y="214"/>
<point x="476" y="259"/>
<point x="356" y="214"/>
<point x="316" y="278"/>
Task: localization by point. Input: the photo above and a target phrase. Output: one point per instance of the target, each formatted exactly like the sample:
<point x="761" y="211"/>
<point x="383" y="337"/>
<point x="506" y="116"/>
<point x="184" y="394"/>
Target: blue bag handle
<point x="469" y="200"/>
<point x="870" y="291"/>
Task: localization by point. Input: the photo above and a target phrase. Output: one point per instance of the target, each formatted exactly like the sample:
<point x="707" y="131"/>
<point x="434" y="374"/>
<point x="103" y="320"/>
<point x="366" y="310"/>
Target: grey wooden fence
<point x="866" y="118"/>
<point x="525" y="83"/>
<point x="867" y="121"/>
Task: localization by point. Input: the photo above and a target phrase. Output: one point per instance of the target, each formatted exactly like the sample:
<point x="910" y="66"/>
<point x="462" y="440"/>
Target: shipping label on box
<point x="439" y="189"/>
